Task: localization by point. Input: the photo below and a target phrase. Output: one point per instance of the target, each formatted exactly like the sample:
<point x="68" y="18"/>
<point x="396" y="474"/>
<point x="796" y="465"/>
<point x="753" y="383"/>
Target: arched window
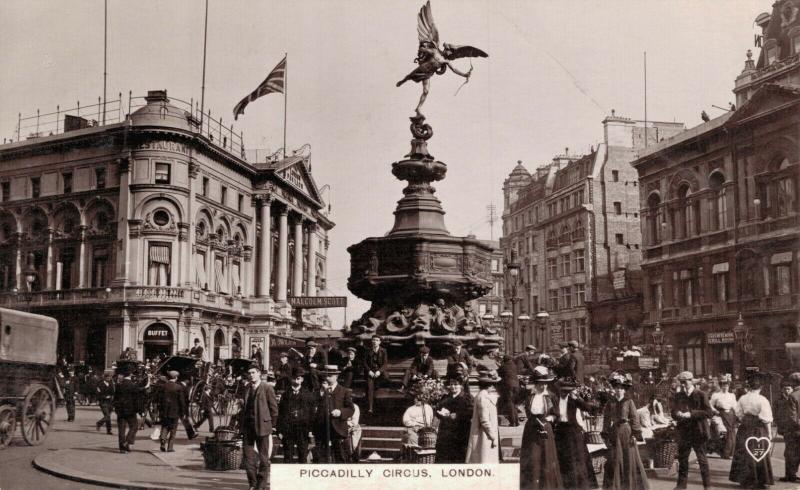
<point x="655" y="218"/>
<point x="719" y="202"/>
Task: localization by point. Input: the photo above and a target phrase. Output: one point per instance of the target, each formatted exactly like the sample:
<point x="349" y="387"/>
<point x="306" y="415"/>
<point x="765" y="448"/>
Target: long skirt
<point x="744" y="469"/>
<point x="538" y="459"/>
<point x="729" y="419"/>
<point x="624" y="469"/>
<point x="573" y="458"/>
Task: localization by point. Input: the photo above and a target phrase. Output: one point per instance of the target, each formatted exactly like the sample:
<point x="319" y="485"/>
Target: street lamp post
<point x="512" y="267"/>
<point x="542" y="318"/>
<point x="741" y="336"/>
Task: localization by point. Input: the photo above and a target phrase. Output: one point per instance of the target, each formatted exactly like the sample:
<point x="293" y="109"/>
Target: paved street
<point x="96" y="451"/>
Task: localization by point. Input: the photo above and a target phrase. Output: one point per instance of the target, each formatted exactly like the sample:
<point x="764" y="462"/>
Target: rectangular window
<point x="36" y="187"/>
<point x="566" y="297"/>
<point x="783" y="279"/>
<point x="66" y="179"/>
<point x="552" y="267"/>
<point x="482" y="309"/>
<point x="580" y="328"/>
<point x="617" y="208"/>
<point x="159" y="264"/>
<point x="615" y="176"/>
<point x="100" y="271"/>
<point x="580" y="295"/>
<point x="240" y="203"/>
<point x="620" y="238"/>
<point x="687" y="284"/>
<point x="554" y="300"/>
<point x="721" y="287"/>
<point x="656" y="296"/>
<point x="200" y="270"/>
<point x="220" y="276"/>
<point x="565" y="265"/>
<point x="223" y="195"/>
<point x="100" y="178"/>
<point x="676" y="289"/>
<point x="534" y="304"/>
<point x="580" y="263"/>
<point x="5" y="189"/>
<point x="534" y="273"/>
<point x="162" y="173"/>
<point x="205" y="186"/>
<point x="495" y="265"/>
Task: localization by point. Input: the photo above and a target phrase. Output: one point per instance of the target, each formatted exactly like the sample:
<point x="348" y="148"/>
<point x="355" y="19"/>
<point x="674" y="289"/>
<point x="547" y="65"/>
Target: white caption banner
<point x="394" y="476"/>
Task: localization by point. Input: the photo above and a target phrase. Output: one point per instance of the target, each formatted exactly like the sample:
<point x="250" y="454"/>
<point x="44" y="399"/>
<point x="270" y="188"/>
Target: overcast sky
<point x="555" y="70"/>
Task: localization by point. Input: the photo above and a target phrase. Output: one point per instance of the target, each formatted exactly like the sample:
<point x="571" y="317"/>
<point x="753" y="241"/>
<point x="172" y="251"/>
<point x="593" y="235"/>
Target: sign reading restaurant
<point x="318" y="301"/>
<point x="720" y="337"/>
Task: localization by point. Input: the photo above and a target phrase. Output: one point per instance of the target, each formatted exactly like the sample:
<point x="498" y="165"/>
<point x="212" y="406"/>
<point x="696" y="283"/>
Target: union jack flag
<point x="273" y="83"/>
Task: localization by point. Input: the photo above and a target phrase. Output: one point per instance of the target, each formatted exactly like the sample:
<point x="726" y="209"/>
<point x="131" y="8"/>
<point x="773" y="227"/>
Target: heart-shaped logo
<point x="758" y="447"/>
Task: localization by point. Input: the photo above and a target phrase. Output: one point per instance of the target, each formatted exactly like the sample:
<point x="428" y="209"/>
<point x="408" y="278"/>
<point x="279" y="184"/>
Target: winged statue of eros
<point x="431" y="59"/>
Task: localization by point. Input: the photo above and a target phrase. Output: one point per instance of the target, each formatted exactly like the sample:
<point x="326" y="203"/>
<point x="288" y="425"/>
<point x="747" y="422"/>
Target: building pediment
<point x="767" y="99"/>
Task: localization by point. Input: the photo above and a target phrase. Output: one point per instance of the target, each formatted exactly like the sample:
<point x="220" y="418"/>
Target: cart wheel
<point x="194" y="401"/>
<point x="8" y="424"/>
<point x="37" y="414"/>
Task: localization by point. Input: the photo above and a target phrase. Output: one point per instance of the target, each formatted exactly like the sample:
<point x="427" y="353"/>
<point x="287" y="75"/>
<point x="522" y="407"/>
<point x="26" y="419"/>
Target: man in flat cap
<point x="313" y="361"/>
<point x="375" y="360"/>
<point x="421" y="367"/>
<point x="459" y="355"/>
<point x="691" y="411"/>
<point x="283" y="375"/>
<point x="348" y="367"/>
<point x="173" y="408"/>
<point x="295" y="412"/>
<point x="259" y="416"/>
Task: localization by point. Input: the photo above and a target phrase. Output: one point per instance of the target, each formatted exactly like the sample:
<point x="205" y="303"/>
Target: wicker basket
<point x="598" y="462"/>
<point x="423" y="456"/>
<point x="593" y="437"/>
<point x="224" y="434"/>
<point x="427" y="437"/>
<point x="222" y="455"/>
<point x="664" y="453"/>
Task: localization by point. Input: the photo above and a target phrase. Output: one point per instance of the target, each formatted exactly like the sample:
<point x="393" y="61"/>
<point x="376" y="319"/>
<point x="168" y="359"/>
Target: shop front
<point x="720" y="346"/>
<point x="158" y="341"/>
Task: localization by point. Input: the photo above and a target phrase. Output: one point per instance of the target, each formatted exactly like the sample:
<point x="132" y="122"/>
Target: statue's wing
<point x="452" y="52"/>
<point x="426" y="28"/>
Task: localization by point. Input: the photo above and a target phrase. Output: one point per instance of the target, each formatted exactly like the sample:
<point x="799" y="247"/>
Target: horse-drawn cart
<point x="27" y="375"/>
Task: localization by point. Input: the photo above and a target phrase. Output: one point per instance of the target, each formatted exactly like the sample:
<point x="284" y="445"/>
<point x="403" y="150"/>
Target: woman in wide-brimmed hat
<point x="538" y="458"/>
<point x="484" y="433"/>
<point x="573" y="454"/>
<point x="722" y="403"/>
<point x="621" y="429"/>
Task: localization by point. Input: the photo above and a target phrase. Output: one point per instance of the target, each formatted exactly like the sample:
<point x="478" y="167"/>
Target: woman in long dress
<point x="577" y="472"/>
<point x="484" y="433"/>
<point x="755" y="418"/>
<point x="722" y="403"/>
<point x="538" y="458"/>
<point x="624" y="469"/>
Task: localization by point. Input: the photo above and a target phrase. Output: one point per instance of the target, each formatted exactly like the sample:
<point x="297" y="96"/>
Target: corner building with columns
<point x="156" y="229"/>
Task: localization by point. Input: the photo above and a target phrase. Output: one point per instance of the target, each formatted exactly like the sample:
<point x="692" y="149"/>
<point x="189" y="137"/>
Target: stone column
<point x="283" y="246"/>
<point x="123" y="254"/>
<point x="82" y="258"/>
<point x="265" y="247"/>
<point x="50" y="264"/>
<point x="311" y="278"/>
<point x="297" y="286"/>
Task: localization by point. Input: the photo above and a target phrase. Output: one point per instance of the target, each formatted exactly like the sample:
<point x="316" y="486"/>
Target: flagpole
<point x="285" y="97"/>
<point x="203" y="86"/>
<point x="105" y="56"/>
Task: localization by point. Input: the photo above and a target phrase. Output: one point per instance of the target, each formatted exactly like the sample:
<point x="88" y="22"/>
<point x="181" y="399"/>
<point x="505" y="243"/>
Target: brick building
<point x="155" y="230"/>
<point x="720" y="219"/>
<point x="574" y="224"/>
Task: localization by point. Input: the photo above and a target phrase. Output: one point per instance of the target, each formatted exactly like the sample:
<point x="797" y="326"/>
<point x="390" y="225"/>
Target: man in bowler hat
<point x="375" y="360"/>
<point x="295" y="412"/>
<point x="691" y="412"/>
<point x="259" y="416"/>
<point x="334" y="408"/>
<point x="173" y="408"/>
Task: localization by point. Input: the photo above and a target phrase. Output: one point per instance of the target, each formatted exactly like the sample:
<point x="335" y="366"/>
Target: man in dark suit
<point x="173" y="408"/>
<point x="348" y="368"/>
<point x="526" y="362"/>
<point x="375" y="360"/>
<point x="335" y="407"/>
<point x="259" y="416"/>
<point x="126" y="404"/>
<point x="421" y="366"/>
<point x="295" y="412"/>
<point x="691" y="411"/>
<point x="577" y="362"/>
<point x="283" y="374"/>
<point x="70" y="382"/>
<point x="197" y="350"/>
<point x="312" y="362"/>
<point x="105" y="397"/>
<point x="455" y="417"/>
<point x="509" y="387"/>
<point x="457" y="357"/>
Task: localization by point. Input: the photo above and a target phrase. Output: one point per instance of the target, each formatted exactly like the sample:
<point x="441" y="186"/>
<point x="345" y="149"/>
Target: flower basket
<point x="664" y="453"/>
<point x="427" y="437"/>
<point x="222" y="455"/>
<point x="224" y="434"/>
<point x="423" y="456"/>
